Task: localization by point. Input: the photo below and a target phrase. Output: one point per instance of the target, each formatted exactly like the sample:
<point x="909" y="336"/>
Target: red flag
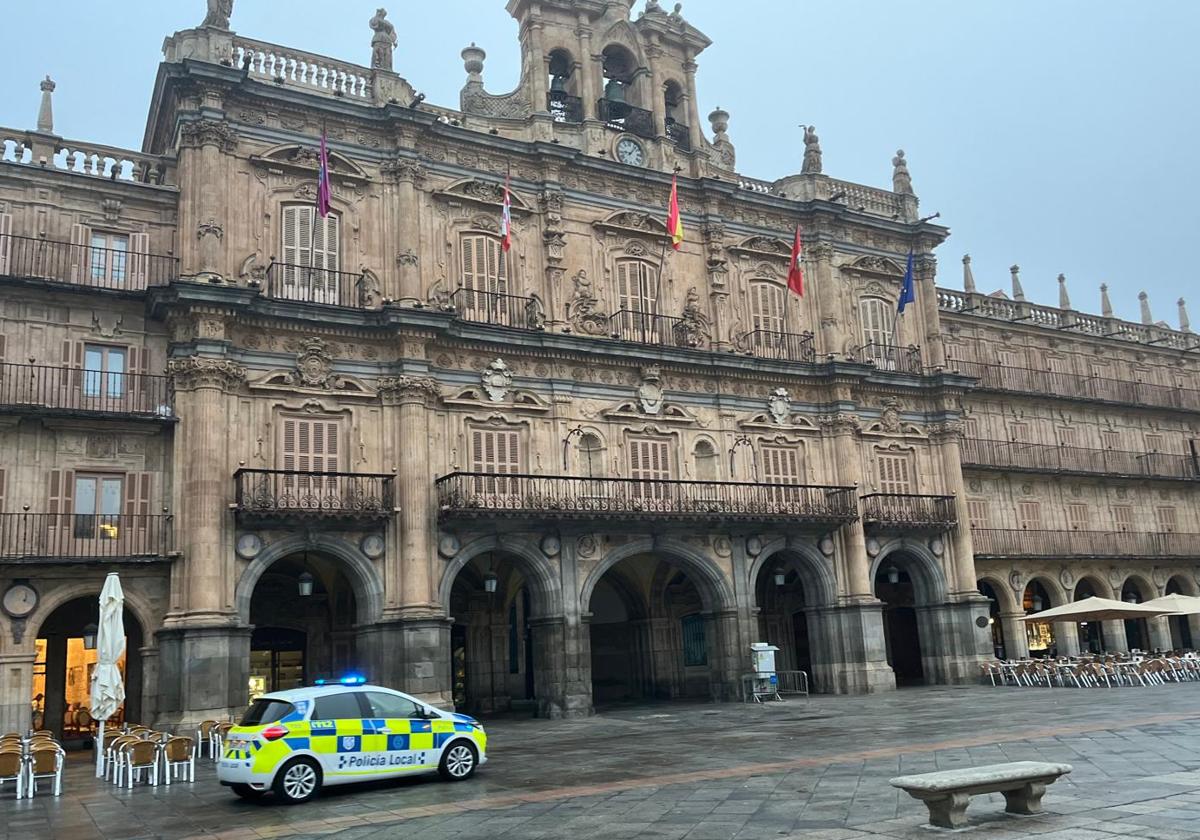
<point x="506" y="219"/>
<point x="674" y="220"/>
<point x="796" y="268"/>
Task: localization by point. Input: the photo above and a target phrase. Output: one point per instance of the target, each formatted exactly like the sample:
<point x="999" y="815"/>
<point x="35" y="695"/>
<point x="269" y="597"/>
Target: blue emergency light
<point x="349" y="679"/>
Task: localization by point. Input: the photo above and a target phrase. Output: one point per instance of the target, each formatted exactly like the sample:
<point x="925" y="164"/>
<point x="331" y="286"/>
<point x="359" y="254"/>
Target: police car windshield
<point x="266" y="710"/>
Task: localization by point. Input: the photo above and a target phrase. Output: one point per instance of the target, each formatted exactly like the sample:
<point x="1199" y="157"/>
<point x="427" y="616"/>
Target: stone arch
<point x="1145" y="587"/>
<point x="928" y="577"/>
<point x="1004" y="594"/>
<point x="540" y="576"/>
<point x="1058" y="596"/>
<point x="1100" y="586"/>
<point x="1184" y="582"/>
<point x="711" y="582"/>
<point x="361" y="572"/>
<point x="137" y="606"/>
<point x="814" y="569"/>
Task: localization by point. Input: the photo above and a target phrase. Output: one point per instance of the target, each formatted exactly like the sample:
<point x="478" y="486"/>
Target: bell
<point x="614" y="91"/>
<point x="558" y="84"/>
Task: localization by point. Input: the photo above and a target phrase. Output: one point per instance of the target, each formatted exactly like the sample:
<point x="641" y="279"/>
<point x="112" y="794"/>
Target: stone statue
<point x="692" y="329"/>
<point x="582" y="309"/>
<point x="383" y="42"/>
<point x="653" y="7"/>
<point x="901" y="180"/>
<point x="812" y="152"/>
<point x="218" y="15"/>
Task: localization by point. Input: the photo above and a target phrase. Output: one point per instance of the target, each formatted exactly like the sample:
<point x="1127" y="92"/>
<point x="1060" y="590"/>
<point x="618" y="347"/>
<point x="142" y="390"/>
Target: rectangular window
<point x="103" y="371"/>
<point x="496" y="452"/>
<point x="781" y="465"/>
<point x="311" y="447"/>
<point x="1018" y="432"/>
<point x="108" y="259"/>
<point x="1008" y="358"/>
<point x="1154" y="442"/>
<point x="311" y="261"/>
<point x="97" y="509"/>
<point x="1029" y="515"/>
<point x="484" y="269"/>
<point x="1122" y="517"/>
<point x="637" y="282"/>
<point x="1066" y="436"/>
<point x="767" y="302"/>
<point x="1110" y="439"/>
<point x="1166" y="519"/>
<point x="977" y="510"/>
<point x="650" y="464"/>
<point x="895" y="474"/>
<point x="1077" y="516"/>
<point x="971" y="428"/>
<point x="695" y="645"/>
<point x="1057" y="364"/>
<point x="877" y="319"/>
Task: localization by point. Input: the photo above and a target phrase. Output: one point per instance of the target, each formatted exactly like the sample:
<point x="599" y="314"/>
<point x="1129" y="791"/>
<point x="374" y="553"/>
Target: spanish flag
<point x="674" y="220"/>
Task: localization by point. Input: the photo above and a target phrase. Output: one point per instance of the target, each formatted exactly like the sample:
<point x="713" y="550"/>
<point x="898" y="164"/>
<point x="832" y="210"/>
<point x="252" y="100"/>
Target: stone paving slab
<point x="814" y="769"/>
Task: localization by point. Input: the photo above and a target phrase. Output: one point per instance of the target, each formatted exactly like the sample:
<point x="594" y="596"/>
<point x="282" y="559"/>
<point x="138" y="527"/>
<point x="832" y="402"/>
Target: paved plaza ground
<point x="812" y="769"/>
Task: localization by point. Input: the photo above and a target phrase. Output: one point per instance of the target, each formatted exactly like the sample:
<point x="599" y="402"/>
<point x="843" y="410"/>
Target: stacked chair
<point x="1109" y="670"/>
<point x="25" y="761"/>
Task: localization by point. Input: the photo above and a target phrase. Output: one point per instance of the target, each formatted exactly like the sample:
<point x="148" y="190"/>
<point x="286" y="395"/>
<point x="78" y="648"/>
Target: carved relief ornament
<point x="394" y="390"/>
<point x="839" y="423"/>
<point x="404" y="170"/>
<point x="314" y="366"/>
<point x="199" y="372"/>
<point x="207" y="132"/>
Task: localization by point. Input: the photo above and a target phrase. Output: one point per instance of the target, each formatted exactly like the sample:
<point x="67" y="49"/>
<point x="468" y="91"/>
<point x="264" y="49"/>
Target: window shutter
<point x="876" y="322"/>
<point x="649" y="459"/>
<point x="977" y="512"/>
<point x="1029" y="515"/>
<point x="137" y="507"/>
<point x="3" y="488"/>
<point x="1167" y="519"/>
<point x="781" y="465"/>
<point x="289" y="443"/>
<point x="767" y="307"/>
<point x="81" y="237"/>
<point x="60" y="501"/>
<point x="466" y="247"/>
<point x="1077" y="516"/>
<point x="72" y="362"/>
<point x="894" y="474"/>
<point x="6" y="243"/>
<point x="1122" y="517"/>
<point x="296" y="249"/>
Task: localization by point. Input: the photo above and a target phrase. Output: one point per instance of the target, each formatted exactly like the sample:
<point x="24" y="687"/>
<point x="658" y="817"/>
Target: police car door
<point x="336" y="729"/>
<point x="409" y="746"/>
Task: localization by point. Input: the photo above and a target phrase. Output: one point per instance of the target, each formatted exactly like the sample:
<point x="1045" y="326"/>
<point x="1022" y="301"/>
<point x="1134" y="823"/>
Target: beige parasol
<point x="1176" y="604"/>
<point x="1096" y="609"/>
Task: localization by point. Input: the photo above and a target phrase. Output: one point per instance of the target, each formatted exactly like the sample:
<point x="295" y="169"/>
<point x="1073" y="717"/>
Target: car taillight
<point x="274" y="733"/>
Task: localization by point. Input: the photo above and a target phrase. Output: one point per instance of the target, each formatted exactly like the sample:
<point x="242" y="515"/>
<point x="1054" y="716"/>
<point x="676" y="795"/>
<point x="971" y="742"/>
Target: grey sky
<point x="1051" y="133"/>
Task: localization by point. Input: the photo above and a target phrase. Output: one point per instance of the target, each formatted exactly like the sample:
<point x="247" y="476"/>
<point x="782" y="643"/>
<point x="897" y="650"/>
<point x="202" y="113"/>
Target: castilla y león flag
<point x="674" y="220"/>
<point x="795" y="267"/>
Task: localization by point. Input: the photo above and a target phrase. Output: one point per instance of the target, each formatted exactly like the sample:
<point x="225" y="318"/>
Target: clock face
<point x="20" y="600"/>
<point x="630" y="152"/>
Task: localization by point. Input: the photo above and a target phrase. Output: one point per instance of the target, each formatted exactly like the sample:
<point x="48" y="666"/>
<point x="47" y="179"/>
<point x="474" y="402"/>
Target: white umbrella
<point x="1176" y="604"/>
<point x="1095" y="609"/>
<point x="108" y="689"/>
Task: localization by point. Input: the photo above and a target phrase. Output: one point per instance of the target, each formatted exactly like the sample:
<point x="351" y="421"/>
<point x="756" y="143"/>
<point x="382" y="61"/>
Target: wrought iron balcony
<point x="499" y="309"/>
<point x="680" y="135"/>
<point x="665" y="330"/>
<point x="769" y="344"/>
<point x="1073" y="386"/>
<point x="43" y="389"/>
<point x="85" y="538"/>
<point x="889" y="357"/>
<point x="908" y="512"/>
<point x="1002" y="542"/>
<point x="292" y="494"/>
<point x="109" y="269"/>
<point x="474" y="495"/>
<point x="564" y="108"/>
<point x="310" y="284"/>
<point x="1034" y="457"/>
<point x="624" y="117"/>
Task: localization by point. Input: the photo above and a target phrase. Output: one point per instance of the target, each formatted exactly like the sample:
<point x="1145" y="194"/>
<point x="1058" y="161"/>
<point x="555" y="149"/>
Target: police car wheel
<point x="458" y="762"/>
<point x="247" y="792"/>
<point x="298" y="781"/>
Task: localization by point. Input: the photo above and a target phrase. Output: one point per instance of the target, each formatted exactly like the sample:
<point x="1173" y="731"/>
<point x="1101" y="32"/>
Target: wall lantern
<point x="780" y="577"/>
<point x="89" y="637"/>
<point x="1037" y="603"/>
<point x="490" y="581"/>
<point x="893" y="575"/>
<point x="1131" y="598"/>
<point x="305" y="584"/>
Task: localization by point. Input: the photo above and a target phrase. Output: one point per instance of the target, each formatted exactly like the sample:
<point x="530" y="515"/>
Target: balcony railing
<point x="564" y="108"/>
<point x="43" y="388"/>
<point x="907" y="511"/>
<point x="499" y="309"/>
<point x="1036" y="457"/>
<point x="997" y="542"/>
<point x="680" y="135"/>
<point x="473" y="495"/>
<point x="72" y="537"/>
<point x="275" y="494"/>
<point x="648" y="328"/>
<point x="768" y="344"/>
<point x="112" y="269"/>
<point x="623" y="117"/>
<point x="309" y="284"/>
<point x="889" y="357"/>
<point x="1074" y="386"/>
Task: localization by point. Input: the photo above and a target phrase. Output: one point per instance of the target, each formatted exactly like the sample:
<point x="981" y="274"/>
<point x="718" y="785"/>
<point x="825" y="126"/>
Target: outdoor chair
<point x="46" y="762"/>
<point x="178" y="756"/>
<point x="44" y="732"/>
<point x="12" y="769"/>
<point x="38" y="719"/>
<point x="83" y="721"/>
<point x="114" y="757"/>
<point x="204" y="737"/>
<point x="219" y="733"/>
<point x="993" y="672"/>
<point x="140" y="758"/>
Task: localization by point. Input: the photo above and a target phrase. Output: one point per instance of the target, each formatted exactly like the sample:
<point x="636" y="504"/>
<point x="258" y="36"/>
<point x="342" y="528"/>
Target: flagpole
<point x="312" y="228"/>
<point x="662" y="259"/>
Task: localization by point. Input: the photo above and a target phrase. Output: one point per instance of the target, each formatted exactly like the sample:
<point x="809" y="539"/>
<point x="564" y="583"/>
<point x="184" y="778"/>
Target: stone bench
<point x="947" y="792"/>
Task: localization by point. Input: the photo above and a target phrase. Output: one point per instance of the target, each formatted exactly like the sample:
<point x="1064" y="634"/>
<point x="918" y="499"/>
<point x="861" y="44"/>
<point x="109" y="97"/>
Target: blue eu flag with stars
<point x="907" y="290"/>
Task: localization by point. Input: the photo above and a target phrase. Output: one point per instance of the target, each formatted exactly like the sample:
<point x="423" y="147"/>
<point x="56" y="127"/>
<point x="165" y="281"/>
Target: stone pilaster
<point x="405" y="178"/>
<point x="849" y="655"/>
<point x="947" y="437"/>
<point x="16" y="689"/>
<point x="820" y="260"/>
<point x="1016" y="644"/>
<point x="856" y="580"/>
<point x="925" y="279"/>
<point x="410" y="655"/>
<point x="203" y="145"/>
<point x="203" y="673"/>
<point x="953" y="642"/>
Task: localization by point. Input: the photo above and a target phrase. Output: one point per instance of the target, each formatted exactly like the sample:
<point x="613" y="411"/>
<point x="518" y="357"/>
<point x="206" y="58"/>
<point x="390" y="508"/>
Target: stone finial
<point x="1105" y="303"/>
<point x="1184" y="324"/>
<point x="383" y="42"/>
<point x="1017" y="292"/>
<point x="219" y="12"/>
<point x="719" y="120"/>
<point x="473" y="58"/>
<point x="812" y="152"/>
<point x="968" y="275"/>
<point x="1064" y="299"/>
<point x="1144" y="298"/>
<point x="901" y="179"/>
<point x="45" y="120"/>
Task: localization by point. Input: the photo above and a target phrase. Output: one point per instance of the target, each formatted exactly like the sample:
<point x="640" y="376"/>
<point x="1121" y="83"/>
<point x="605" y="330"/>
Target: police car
<point x="294" y="742"/>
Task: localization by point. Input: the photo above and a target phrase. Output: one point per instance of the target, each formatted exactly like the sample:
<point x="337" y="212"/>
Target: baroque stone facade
<point x="584" y="469"/>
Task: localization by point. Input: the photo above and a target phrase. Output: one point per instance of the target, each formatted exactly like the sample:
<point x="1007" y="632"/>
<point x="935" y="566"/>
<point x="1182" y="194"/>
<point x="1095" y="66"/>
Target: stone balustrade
<point x="308" y="71"/>
<point x="94" y="159"/>
<point x="754" y="185"/>
<point x="865" y="199"/>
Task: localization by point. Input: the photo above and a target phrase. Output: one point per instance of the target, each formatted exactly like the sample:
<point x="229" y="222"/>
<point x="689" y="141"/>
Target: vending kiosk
<point x="763" y="682"/>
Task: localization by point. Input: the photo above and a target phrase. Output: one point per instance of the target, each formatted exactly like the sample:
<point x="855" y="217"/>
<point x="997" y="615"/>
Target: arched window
<point x="767" y="306"/>
<point x="676" y="113"/>
<point x="619" y="67"/>
<point x="622" y="107"/>
<point x="591" y="455"/>
<point x="311" y="257"/>
<point x="705" y="457"/>
<point x="484" y="267"/>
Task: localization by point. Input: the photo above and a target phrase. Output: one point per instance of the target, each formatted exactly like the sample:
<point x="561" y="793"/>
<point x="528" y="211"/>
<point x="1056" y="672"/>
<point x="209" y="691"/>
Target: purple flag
<point x="324" y="194"/>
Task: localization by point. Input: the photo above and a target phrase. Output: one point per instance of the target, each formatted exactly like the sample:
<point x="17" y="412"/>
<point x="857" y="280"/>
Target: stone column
<point x="925" y="271"/>
<point x="820" y="258"/>
<point x="947" y="437"/>
<point x="539" y="71"/>
<point x="1159" y="632"/>
<point x="856" y="583"/>
<point x="406" y="177"/>
<point x="1066" y="638"/>
<point x="953" y="644"/>
<point x="726" y="650"/>
<point x="848" y="651"/>
<point x="413" y="397"/>
<point x="16" y="690"/>
<point x="56" y="683"/>
<point x="589" y="70"/>
<point x="1016" y="645"/>
<point x="149" y="655"/>
<point x="202" y="143"/>
<point x="1115" y="640"/>
<point x="695" y="135"/>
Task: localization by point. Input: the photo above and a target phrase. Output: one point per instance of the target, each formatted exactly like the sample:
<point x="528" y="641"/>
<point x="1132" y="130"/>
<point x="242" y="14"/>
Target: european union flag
<point x="907" y="290"/>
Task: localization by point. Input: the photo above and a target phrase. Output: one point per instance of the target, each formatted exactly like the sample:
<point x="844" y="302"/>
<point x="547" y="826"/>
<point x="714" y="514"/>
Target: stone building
<point x="585" y="470"/>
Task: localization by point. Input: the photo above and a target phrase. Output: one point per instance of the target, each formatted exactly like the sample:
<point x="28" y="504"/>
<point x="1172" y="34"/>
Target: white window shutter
<point x="139" y="260"/>
<point x="81" y="238"/>
<point x="6" y="243"/>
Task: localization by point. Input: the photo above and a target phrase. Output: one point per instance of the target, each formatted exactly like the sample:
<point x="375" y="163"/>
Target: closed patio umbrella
<point x="108" y="689"/>
<point x="1176" y="604"/>
<point x="1096" y="609"/>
